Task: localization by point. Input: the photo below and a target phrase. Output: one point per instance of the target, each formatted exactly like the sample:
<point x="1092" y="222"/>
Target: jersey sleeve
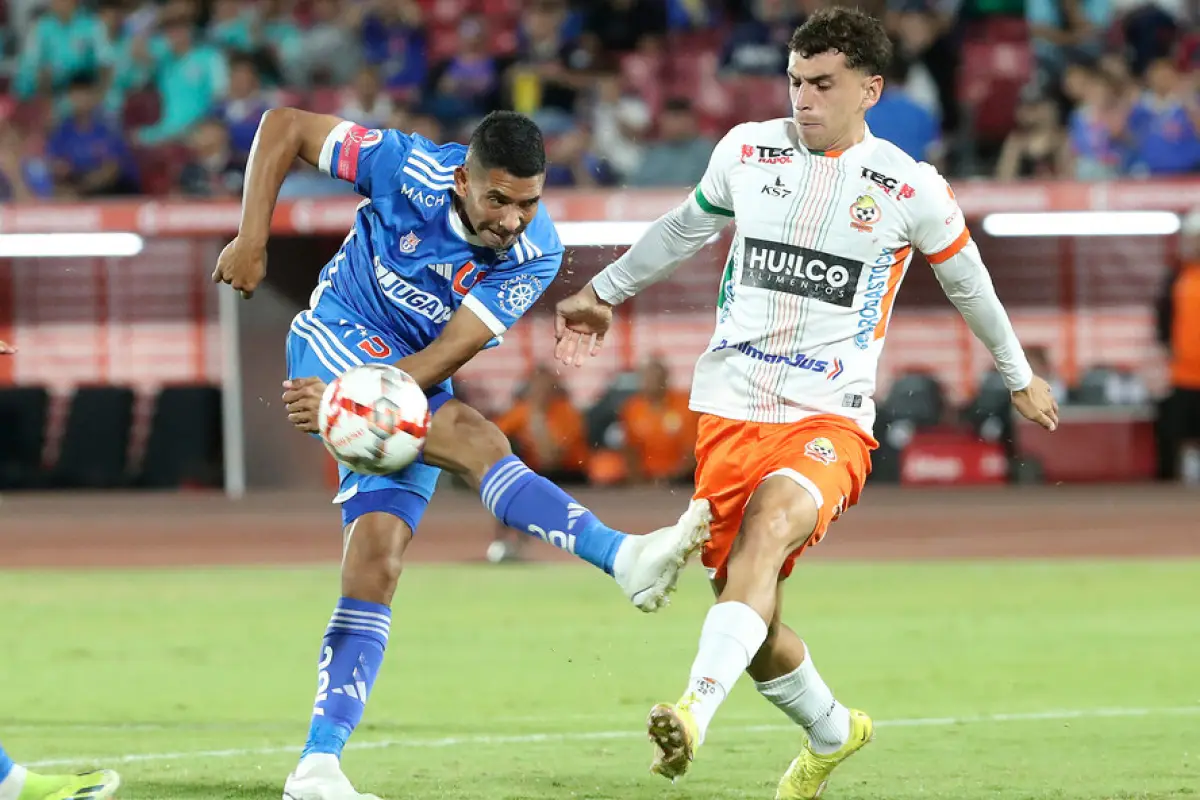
<point x="501" y="298"/>
<point x="368" y="158"/>
<point x="939" y="228"/>
<point x="713" y="194"/>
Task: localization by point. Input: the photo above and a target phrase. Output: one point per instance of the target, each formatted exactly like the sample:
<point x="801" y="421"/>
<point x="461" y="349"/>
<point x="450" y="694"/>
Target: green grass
<point x="533" y="682"/>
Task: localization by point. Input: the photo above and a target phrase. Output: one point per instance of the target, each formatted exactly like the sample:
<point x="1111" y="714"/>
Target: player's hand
<point x="242" y="265"/>
<point x="579" y="326"/>
<point x="303" y="398"/>
<point x="1037" y="404"/>
<point x="7" y="349"/>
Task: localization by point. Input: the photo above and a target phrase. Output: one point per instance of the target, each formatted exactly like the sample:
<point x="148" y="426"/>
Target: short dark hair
<point x="678" y="104"/>
<point x="509" y="141"/>
<point x="855" y="34"/>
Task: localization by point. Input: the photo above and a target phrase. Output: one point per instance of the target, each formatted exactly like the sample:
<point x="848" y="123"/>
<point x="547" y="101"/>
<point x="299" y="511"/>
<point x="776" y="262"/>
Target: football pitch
<point x="1019" y="679"/>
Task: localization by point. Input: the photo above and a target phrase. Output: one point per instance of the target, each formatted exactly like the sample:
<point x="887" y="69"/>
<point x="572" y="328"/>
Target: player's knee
<point x="374" y="558"/>
<point x="474" y="443"/>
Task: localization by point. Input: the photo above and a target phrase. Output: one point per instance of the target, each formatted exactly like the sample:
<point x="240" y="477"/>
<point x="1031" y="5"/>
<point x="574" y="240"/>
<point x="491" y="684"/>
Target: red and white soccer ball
<point x="374" y="419"/>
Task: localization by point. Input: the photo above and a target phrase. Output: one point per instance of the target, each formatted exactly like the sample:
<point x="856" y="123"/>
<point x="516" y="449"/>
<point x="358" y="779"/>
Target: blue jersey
<point x="409" y="262"/>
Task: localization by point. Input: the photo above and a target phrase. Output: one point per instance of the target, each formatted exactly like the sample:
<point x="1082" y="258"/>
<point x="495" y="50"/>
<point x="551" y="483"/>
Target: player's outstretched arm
<point x="583" y="319"/>
<point x="284" y="134"/>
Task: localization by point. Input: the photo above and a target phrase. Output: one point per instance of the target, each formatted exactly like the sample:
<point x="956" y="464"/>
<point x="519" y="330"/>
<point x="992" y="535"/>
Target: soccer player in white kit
<point x="827" y="220"/>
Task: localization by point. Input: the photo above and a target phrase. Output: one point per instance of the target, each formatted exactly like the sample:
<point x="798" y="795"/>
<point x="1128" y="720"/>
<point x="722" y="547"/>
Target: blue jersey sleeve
<point x="368" y="158"/>
<point x="502" y="297"/>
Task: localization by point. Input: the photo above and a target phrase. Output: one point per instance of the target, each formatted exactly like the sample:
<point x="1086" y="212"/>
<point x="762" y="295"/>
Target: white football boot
<point x="648" y="566"/>
<point x="319" y="777"/>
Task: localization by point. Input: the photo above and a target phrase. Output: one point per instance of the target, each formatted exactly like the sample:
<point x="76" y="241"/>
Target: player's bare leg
<point x="743" y="632"/>
<point x="645" y="567"/>
<point x="352" y="653"/>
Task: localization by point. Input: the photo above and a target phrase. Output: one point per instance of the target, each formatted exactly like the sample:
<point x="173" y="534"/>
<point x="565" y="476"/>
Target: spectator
<point x="65" y="41"/>
<point x="1162" y="127"/>
<point x="619" y="121"/>
<point x="1179" y="333"/>
<point x="120" y="72"/>
<point x="546" y="430"/>
<point x="331" y="47"/>
<point x="925" y="33"/>
<point x="757" y="45"/>
<point x="24" y="175"/>
<point x="1150" y="29"/>
<point x="213" y="169"/>
<point x="87" y="150"/>
<point x="233" y="26"/>
<point x="623" y="26"/>
<point x="1037" y="148"/>
<point x="549" y="70"/>
<point x="681" y="155"/>
<point x="467" y="85"/>
<point x="404" y="119"/>
<point x="366" y="103"/>
<point x="571" y="161"/>
<point x="245" y="104"/>
<point x="659" y="430"/>
<point x="395" y="41"/>
<point x="191" y="79"/>
<point x="1064" y="30"/>
<point x="901" y="120"/>
<point x="1094" y="128"/>
<point x="282" y="40"/>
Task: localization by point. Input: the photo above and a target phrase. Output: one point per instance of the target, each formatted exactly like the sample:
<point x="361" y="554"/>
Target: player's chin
<point x="498" y="240"/>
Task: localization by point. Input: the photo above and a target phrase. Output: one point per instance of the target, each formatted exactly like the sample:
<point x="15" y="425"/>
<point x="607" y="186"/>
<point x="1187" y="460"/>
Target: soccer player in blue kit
<point x="449" y="248"/>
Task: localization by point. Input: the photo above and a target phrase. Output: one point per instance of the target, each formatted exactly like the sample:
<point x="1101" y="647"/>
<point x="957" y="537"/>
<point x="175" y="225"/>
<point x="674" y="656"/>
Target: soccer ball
<point x="374" y="419"/>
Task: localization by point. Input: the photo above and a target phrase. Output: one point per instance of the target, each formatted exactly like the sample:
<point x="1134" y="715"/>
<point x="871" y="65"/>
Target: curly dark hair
<point x="509" y="141"/>
<point x="855" y="34"/>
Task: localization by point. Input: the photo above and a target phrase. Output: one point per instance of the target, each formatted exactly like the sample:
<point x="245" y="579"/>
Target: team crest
<point x="821" y="449"/>
<point x="864" y="213"/>
<point x="409" y="243"/>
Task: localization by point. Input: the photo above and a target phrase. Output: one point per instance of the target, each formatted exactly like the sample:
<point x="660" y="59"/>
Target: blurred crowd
<point x="104" y="97"/>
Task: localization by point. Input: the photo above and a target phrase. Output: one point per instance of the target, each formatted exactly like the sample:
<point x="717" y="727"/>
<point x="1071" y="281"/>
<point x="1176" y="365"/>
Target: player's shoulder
<point x="918" y="174"/>
<point x="541" y="236"/>
<point x="746" y="139"/>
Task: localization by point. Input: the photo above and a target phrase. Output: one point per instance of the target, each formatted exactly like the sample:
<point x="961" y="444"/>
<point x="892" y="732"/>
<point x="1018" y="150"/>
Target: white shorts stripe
<point x="319" y="348"/>
<point x="346" y="352"/>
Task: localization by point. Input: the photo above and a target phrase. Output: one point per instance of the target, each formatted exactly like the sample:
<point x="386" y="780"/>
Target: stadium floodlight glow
<point x="1082" y="223"/>
<point x="605" y="233"/>
<point x="69" y="245"/>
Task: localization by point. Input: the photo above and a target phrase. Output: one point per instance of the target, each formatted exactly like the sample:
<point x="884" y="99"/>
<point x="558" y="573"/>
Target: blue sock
<point x="524" y="500"/>
<point x="6" y="765"/>
<point x="351" y="655"/>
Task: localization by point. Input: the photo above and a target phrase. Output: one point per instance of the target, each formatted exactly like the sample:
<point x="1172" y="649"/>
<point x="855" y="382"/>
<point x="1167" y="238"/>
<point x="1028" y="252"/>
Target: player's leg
<point x="645" y="567"/>
<point x="18" y="783"/>
<point x="790" y="507"/>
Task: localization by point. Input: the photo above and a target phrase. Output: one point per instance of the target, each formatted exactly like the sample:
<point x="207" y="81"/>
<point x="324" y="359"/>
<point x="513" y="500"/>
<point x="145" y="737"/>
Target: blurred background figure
<point x="679" y="155"/>
<point x="659" y="430"/>
<point x="87" y="150"/>
<point x="1179" y="333"/>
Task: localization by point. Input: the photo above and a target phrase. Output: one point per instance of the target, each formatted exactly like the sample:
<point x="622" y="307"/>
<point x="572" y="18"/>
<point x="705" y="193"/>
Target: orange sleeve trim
<point x="952" y="249"/>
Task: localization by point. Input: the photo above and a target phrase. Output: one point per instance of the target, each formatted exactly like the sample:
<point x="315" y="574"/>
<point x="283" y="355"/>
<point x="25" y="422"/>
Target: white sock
<point x="10" y="787"/>
<point x="804" y="697"/>
<point x="731" y="635"/>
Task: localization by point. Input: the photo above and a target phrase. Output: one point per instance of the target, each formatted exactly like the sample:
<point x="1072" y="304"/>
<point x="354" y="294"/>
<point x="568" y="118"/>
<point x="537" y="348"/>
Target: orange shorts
<point x="829" y="456"/>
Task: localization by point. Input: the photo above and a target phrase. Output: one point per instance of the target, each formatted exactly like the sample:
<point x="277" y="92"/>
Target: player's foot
<point x="808" y="774"/>
<point x="99" y="785"/>
<point x="319" y="777"/>
<point x="647" y="567"/>
<point x="675" y="735"/>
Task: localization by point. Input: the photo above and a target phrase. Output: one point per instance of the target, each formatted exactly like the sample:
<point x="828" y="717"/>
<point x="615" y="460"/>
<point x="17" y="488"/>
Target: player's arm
<point x="492" y="306"/>
<point x="941" y="233"/>
<point x="284" y="134"/>
<point x="670" y="240"/>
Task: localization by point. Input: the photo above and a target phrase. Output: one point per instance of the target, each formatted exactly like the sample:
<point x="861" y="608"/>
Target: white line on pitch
<point x="535" y="738"/>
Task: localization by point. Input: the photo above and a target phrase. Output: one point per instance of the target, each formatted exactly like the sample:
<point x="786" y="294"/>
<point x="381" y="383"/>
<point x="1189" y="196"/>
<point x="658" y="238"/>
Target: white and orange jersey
<point x="822" y="244"/>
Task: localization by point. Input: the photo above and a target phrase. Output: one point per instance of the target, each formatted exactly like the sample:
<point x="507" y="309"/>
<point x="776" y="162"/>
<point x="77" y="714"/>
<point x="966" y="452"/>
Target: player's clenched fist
<point x="242" y="265"/>
<point x="582" y="316"/>
<point x="1036" y="403"/>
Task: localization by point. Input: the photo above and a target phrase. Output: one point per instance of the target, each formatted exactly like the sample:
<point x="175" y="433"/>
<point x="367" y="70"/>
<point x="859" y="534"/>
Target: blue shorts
<point x="320" y="347"/>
